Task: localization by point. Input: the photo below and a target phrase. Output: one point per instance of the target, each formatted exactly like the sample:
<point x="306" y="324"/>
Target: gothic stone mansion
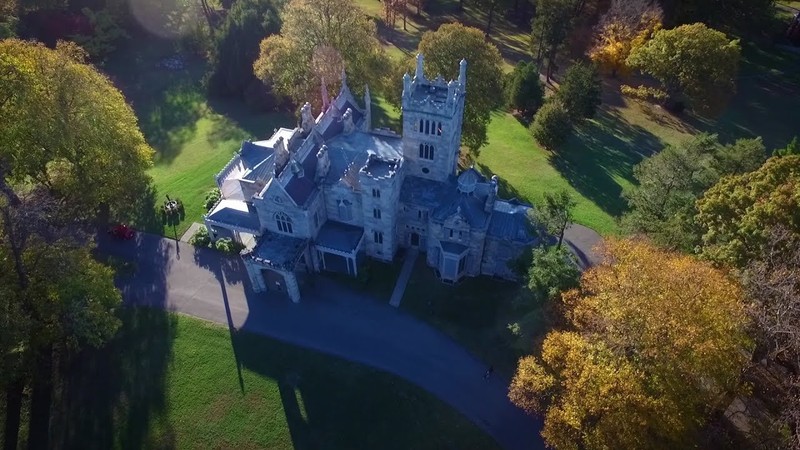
<point x="332" y="191"/>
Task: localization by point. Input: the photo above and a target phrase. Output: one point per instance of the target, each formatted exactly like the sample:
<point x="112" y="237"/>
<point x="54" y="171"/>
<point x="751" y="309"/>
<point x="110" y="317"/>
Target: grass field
<point x="193" y="136"/>
<point x="174" y="382"/>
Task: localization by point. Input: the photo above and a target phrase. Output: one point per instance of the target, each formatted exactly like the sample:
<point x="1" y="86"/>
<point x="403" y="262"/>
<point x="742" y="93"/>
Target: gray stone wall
<point x="387" y="204"/>
<point x="276" y="200"/>
<point x="462" y="234"/>
<point x="497" y="255"/>
<point x="336" y="193"/>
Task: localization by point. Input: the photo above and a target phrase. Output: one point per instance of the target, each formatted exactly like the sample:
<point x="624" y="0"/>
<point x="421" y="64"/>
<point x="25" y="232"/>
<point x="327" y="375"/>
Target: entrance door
<point x="414" y="240"/>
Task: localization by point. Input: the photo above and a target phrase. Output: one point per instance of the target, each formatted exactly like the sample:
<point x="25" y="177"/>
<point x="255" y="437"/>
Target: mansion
<point x="327" y="194"/>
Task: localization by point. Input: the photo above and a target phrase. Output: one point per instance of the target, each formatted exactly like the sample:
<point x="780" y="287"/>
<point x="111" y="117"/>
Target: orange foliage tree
<point x="626" y="25"/>
<point x="656" y="342"/>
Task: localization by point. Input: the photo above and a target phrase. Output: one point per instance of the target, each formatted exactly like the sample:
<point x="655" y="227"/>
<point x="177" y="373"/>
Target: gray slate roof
<point x="339" y="236"/>
<point x="453" y="247"/>
<point x="236" y="213"/>
<point x="300" y="188"/>
<point x="510" y="221"/>
<point x="278" y="251"/>
<point x="349" y="153"/>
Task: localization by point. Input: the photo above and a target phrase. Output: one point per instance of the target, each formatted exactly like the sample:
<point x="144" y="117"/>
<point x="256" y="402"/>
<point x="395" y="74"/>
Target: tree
<point x="70" y="146"/>
<point x="792" y="148"/>
<point x="693" y="63"/>
<point x="772" y="282"/>
<point x="236" y="46"/>
<point x="626" y="25"/>
<point x="736" y="214"/>
<point x="580" y="91"/>
<point x="287" y="60"/>
<point x="443" y="49"/>
<point x="551" y="125"/>
<point x="553" y="270"/>
<point x="524" y="90"/>
<point x="555" y="213"/>
<point x="550" y="27"/>
<point x="662" y="205"/>
<point x="491" y="7"/>
<point x="654" y="345"/>
<point x="735" y="16"/>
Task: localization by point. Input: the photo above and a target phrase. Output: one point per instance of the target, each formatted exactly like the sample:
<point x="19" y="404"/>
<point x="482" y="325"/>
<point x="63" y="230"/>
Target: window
<point x="316" y="219"/>
<point x="376" y="193"/>
<point x="377" y="236"/>
<point x="439" y="129"/>
<point x="376" y="213"/>
<point x="427" y="127"/>
<point x="451" y="232"/>
<point x="421" y="125"/>
<point x="426" y="170"/>
<point x="419" y="214"/>
<point x="284" y="223"/>
<point x="426" y="151"/>
<point x="461" y="264"/>
<point x="345" y="212"/>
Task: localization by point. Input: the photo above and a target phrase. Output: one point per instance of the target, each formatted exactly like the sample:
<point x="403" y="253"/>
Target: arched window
<point x="426" y="151"/>
<point x="284" y="222"/>
<point x="420" y="125"/>
<point x="439" y="129"/>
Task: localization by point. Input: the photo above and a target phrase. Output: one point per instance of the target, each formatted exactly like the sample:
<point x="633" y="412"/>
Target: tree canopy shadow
<point x="114" y="396"/>
<point x="601" y="154"/>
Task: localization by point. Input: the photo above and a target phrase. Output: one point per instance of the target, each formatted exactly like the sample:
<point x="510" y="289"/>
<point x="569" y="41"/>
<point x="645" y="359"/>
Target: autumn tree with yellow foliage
<point x="625" y="26"/>
<point x="655" y="343"/>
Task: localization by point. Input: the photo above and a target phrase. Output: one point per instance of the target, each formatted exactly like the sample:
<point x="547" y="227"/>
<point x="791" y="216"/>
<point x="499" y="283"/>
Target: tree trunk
<point x="41" y="399"/>
<point x="405" y="13"/>
<point x="561" y="235"/>
<point x="489" y="20"/>
<point x="13" y="411"/>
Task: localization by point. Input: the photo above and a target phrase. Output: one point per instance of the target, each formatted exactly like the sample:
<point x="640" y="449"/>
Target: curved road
<point x="331" y="319"/>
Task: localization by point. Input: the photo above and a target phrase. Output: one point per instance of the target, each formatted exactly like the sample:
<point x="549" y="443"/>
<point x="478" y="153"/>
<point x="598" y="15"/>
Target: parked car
<point x="122" y="231"/>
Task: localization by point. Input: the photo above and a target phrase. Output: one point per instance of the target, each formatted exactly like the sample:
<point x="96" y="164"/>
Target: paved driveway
<point x="331" y="319"/>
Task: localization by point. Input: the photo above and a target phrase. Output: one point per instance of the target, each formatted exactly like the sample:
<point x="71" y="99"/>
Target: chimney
<point x="406" y="85"/>
<point x="347" y="121"/>
<point x="489" y="206"/>
<point x="323" y="163"/>
<point x="462" y="73"/>
<point x="306" y="119"/>
<point x="281" y="155"/>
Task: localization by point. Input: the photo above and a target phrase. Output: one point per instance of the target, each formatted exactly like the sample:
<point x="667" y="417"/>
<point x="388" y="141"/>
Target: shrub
<point x="580" y="91"/>
<point x="212" y="197"/>
<point x="229" y="246"/>
<point x="200" y="238"/>
<point x="551" y="125"/>
<point x="524" y="90"/>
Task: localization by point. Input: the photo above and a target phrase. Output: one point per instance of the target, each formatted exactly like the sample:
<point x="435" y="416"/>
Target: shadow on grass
<point x="475" y="313"/>
<point x="114" y="396"/>
<point x="601" y="150"/>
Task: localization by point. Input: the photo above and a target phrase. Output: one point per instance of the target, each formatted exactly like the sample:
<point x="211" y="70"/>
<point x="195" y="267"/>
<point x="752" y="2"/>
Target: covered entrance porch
<point x="338" y="246"/>
<point x="233" y="219"/>
<point x="272" y="265"/>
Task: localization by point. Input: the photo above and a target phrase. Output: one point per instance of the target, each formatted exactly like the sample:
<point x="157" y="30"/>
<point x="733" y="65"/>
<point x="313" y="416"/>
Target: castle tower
<point x="433" y="112"/>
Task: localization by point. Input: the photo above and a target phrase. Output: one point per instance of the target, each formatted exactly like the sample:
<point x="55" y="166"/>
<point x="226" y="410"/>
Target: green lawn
<point x="170" y="381"/>
<point x="475" y="313"/>
<point x="193" y="136"/>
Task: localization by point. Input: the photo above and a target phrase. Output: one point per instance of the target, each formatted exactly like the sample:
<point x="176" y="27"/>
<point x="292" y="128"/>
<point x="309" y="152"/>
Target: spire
<point x="420" y="62"/>
<point x="406" y="84"/>
<point x="344" y="83"/>
<point x="325" y="100"/>
<point x="462" y="72"/>
<point x="367" y="123"/>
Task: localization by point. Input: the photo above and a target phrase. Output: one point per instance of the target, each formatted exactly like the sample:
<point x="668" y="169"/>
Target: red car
<point x="122" y="231"/>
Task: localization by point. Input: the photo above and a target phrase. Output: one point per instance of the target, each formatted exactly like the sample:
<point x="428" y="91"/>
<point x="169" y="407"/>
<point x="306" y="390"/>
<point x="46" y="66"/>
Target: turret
<point x="306" y="119"/>
<point x="419" y="75"/>
<point x="406" y="85"/>
<point x="323" y="163"/>
<point x="489" y="206"/>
